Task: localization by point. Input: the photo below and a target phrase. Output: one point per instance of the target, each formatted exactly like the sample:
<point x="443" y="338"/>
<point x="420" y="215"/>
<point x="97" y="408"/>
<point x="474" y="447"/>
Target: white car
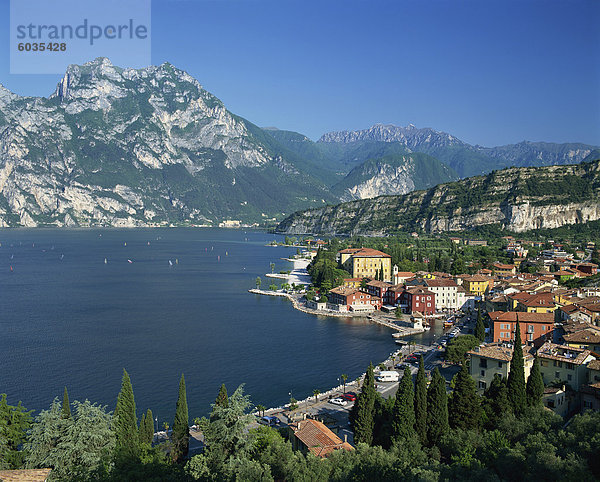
<point x="339" y="401"/>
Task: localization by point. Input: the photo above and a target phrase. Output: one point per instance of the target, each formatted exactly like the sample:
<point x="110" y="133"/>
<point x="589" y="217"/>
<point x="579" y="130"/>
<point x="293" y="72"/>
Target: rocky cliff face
<point x="127" y="147"/>
<point x="517" y="199"/>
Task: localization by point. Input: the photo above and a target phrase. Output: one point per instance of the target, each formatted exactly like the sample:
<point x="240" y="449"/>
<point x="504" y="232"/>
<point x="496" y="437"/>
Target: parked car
<point x="339" y="401"/>
<point x="269" y="420"/>
<point x="350" y="396"/>
<point x="401" y="365"/>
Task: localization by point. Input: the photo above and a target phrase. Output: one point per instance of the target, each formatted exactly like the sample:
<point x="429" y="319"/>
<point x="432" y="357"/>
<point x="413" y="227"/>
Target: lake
<point x="67" y="317"/>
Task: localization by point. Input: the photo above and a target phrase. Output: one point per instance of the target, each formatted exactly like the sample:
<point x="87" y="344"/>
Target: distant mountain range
<point x="466" y="160"/>
<point x="517" y="199"/>
<point x="126" y="147"/>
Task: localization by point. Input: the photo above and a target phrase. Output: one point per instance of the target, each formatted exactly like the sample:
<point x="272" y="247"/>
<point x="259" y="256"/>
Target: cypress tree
<point x="497" y="396"/>
<point x="363" y="421"/>
<point x="480" y="327"/>
<point x="535" y="385"/>
<point x="464" y="407"/>
<point x="403" y="422"/>
<point x="421" y="403"/>
<point x="66" y="405"/>
<point x="125" y="420"/>
<point x="222" y="400"/>
<point x="181" y="431"/>
<point x="437" y="408"/>
<point x="146" y="430"/>
<point x="516" y="376"/>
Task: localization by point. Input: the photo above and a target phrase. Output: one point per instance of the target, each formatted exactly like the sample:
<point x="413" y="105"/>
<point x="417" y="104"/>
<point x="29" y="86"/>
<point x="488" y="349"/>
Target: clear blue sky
<point x="489" y="72"/>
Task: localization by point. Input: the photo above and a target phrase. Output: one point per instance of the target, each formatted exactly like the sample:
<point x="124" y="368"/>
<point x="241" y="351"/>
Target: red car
<point x="350" y="396"/>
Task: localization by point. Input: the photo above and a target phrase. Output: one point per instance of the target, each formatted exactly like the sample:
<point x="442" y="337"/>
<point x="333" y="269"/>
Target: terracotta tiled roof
<point x="583" y="336"/>
<point x="522" y="316"/>
<point x="438" y="283"/>
<point x="369" y="253"/>
<point x="503" y="266"/>
<point x="379" y="284"/>
<point x="24" y="475"/>
<point x="477" y="278"/>
<point x="563" y="353"/>
<point x="594" y="365"/>
<point x="419" y="291"/>
<point x="344" y="290"/>
<point x="318" y="438"/>
<point x="497" y="351"/>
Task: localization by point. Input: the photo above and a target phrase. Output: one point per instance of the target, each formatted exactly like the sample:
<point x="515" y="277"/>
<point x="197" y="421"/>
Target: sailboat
<point x="105" y="261"/>
<point x="129" y="261"/>
<point x="170" y="263"/>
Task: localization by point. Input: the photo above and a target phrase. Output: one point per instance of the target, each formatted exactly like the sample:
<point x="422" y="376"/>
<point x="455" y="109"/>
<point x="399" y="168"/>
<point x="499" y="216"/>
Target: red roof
<point x="318" y="438"/>
<point x="523" y="317"/>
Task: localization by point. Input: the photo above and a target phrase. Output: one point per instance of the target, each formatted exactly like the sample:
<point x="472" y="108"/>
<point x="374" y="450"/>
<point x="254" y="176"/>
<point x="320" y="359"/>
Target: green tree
<point x="14" y="423"/>
<point x="535" y="385"/>
<point x="181" y="431"/>
<point x="258" y="282"/>
<point x="421" y="402"/>
<point x="365" y="403"/>
<point x="125" y="421"/>
<point x="261" y="410"/>
<point x="316" y="393"/>
<point x="457" y="349"/>
<point x="344" y="378"/>
<point x="66" y="406"/>
<point x="272" y="266"/>
<point x="480" y="327"/>
<point x="516" y="376"/>
<point x="496" y="402"/>
<point x="403" y="422"/>
<point x="76" y="447"/>
<point x="464" y="406"/>
<point x="146" y="430"/>
<point x="437" y="409"/>
<point x="398" y="312"/>
<point x="225" y="437"/>
<point x="222" y="399"/>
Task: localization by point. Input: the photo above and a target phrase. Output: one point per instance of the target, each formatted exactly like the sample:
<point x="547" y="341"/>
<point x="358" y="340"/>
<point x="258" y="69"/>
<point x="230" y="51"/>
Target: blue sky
<point x="489" y="72"/>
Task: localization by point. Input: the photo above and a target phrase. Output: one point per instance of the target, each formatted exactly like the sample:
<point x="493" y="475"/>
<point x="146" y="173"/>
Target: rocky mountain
<point x="465" y="159"/>
<point x="363" y="169"/>
<point x="518" y="199"/>
<point x="127" y="147"/>
<point x="392" y="174"/>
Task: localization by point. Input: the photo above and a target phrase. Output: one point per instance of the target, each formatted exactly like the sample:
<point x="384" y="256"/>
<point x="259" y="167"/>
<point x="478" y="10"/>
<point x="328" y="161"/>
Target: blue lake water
<point x="69" y="318"/>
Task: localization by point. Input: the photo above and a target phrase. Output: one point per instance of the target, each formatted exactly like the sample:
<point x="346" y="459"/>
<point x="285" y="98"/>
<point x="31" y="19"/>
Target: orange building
<point x="536" y="328"/>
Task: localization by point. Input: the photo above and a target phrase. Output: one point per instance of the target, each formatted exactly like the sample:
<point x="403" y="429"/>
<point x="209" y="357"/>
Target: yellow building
<point x="494" y="358"/>
<point x="477" y="284"/>
<point x="500" y="269"/>
<point x="366" y="263"/>
<point x="564" y="363"/>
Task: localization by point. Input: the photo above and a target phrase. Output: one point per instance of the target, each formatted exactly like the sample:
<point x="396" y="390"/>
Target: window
<point x="482" y="385"/>
<point x="569" y="377"/>
<point x="483" y="373"/>
<point x="543" y="327"/>
<point x="570" y="366"/>
<point x="557" y="375"/>
<point x="499" y="364"/>
<point x="483" y="363"/>
<point x="530" y="329"/>
<point x="530" y="336"/>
